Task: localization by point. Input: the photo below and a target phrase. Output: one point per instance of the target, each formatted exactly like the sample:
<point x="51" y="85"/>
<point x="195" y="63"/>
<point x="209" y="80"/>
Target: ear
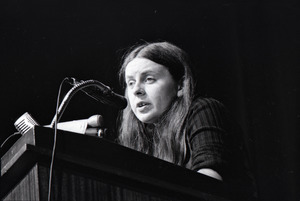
<point x="180" y="88"/>
<point x="180" y="93"/>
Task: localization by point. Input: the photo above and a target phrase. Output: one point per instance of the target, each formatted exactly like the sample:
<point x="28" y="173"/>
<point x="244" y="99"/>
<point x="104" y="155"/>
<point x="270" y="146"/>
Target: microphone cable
<point x="54" y="140"/>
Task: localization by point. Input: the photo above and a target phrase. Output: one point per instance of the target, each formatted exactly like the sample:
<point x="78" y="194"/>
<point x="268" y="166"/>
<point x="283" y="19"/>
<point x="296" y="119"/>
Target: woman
<point x="163" y="119"/>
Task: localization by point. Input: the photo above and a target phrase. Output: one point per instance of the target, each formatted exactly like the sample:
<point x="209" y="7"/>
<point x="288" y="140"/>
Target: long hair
<point x="167" y="139"/>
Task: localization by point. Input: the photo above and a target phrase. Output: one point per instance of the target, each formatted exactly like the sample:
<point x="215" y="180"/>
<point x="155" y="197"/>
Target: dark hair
<point x="168" y="139"/>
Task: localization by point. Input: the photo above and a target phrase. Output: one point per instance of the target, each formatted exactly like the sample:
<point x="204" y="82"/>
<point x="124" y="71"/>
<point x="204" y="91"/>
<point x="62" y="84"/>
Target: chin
<point x="147" y="120"/>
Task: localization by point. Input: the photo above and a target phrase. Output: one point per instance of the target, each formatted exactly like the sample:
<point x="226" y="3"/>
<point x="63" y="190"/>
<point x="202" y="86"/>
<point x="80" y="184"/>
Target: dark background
<point x="245" y="53"/>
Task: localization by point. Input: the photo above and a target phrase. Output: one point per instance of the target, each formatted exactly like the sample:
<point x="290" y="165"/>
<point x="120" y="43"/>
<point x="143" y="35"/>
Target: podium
<point x="91" y="168"/>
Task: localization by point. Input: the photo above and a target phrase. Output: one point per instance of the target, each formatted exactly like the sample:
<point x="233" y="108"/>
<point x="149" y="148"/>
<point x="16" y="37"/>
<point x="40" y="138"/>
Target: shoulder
<point x="200" y="101"/>
<point x="207" y="113"/>
<point x="201" y="104"/>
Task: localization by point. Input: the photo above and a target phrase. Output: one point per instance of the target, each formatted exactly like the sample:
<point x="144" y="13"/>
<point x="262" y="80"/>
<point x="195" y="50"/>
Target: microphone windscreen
<point x="95" y="121"/>
<point x="24" y="123"/>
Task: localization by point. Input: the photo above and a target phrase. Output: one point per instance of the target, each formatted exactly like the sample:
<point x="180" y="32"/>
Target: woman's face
<point x="150" y="89"/>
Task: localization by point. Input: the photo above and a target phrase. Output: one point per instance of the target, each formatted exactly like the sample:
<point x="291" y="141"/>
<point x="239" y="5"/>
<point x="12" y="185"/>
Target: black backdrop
<point x="245" y="53"/>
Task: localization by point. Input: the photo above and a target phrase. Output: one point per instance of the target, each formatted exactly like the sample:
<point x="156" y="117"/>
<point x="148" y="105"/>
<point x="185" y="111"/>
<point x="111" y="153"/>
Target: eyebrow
<point x="144" y="73"/>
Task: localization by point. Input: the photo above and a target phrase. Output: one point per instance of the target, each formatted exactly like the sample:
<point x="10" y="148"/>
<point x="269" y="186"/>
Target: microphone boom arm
<point x="105" y="92"/>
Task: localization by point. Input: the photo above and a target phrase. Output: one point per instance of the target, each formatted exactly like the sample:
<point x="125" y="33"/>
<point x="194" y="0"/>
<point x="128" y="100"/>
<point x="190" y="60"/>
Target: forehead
<point x="141" y="65"/>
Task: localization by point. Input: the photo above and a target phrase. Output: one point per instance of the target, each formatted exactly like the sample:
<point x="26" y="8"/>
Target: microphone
<point x="88" y="126"/>
<point x="101" y="93"/>
<point x="25" y="122"/>
<point x="95" y="121"/>
<point x="93" y="126"/>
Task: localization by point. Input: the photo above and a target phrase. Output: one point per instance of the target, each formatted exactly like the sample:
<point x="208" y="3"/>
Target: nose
<point x="138" y="89"/>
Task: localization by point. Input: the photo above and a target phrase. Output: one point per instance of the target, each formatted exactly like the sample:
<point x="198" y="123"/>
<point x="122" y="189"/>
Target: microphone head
<point x="100" y="92"/>
<point x="25" y="123"/>
<point x="95" y="121"/>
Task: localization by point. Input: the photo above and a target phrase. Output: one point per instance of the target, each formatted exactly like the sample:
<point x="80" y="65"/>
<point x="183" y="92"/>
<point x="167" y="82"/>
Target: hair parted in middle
<point x="167" y="140"/>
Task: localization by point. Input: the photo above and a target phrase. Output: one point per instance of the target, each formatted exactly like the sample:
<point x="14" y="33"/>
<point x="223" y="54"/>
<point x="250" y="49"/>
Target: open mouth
<point x="142" y="104"/>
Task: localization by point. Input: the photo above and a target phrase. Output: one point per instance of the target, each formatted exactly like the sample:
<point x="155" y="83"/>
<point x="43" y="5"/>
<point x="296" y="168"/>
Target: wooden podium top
<point x="97" y="155"/>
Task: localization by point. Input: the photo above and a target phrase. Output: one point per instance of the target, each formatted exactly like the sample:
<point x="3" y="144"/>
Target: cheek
<point x="164" y="102"/>
<point x="130" y="98"/>
<point x="164" y="97"/>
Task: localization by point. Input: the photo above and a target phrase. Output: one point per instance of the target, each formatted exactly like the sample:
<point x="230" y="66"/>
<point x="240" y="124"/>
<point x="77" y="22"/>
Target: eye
<point x="149" y="79"/>
<point x="130" y="83"/>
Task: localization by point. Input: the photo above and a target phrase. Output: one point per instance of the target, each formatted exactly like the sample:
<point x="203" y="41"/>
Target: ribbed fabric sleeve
<point x="214" y="140"/>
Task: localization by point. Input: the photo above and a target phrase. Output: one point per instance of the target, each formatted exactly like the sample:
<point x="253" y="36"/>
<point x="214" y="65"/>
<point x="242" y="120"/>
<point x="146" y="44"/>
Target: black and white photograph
<point x="150" y="100"/>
